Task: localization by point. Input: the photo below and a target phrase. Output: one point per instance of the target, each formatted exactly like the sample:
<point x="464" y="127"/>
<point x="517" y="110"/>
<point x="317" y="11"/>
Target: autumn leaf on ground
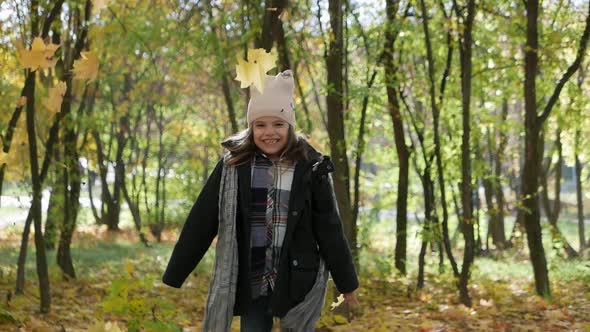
<point x="55" y="97"/>
<point x="40" y="55"/>
<point x="105" y="327"/>
<point x="130" y="268"/>
<point x="339" y="319"/>
<point x="254" y="69"/>
<point x="37" y="325"/>
<point x="86" y="68"/>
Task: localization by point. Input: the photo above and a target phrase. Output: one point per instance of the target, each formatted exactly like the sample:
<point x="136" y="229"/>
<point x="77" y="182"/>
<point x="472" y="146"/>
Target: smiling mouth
<point x="270" y="141"/>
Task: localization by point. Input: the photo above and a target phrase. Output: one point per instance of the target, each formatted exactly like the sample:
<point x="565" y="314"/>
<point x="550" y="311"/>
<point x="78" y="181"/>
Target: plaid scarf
<point x="269" y="208"/>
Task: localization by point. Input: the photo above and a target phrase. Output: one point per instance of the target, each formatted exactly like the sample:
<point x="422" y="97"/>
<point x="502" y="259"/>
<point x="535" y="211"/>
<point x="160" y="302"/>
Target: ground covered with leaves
<point x="118" y="288"/>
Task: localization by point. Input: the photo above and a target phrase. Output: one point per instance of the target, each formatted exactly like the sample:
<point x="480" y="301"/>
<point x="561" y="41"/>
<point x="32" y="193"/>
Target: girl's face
<point x="270" y="135"/>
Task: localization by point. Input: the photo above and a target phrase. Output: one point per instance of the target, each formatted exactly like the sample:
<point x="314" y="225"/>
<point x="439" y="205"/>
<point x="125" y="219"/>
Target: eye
<point x="280" y="124"/>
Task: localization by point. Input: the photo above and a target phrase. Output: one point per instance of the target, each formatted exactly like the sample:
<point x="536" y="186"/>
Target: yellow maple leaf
<point x="284" y="15"/>
<point x="40" y="55"/>
<point x="243" y="70"/>
<point x="254" y="69"/>
<point x="86" y="68"/>
<point x="55" y="97"/>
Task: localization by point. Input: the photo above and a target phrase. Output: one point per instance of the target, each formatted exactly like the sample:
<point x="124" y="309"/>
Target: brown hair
<point x="241" y="146"/>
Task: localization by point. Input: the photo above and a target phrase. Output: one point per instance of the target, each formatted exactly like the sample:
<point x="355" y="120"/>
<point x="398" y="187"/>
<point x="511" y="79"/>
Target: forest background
<point x="459" y="132"/>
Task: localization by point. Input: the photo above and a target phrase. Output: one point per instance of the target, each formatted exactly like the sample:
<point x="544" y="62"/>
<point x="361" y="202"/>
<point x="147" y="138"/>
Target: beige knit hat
<point x="276" y="100"/>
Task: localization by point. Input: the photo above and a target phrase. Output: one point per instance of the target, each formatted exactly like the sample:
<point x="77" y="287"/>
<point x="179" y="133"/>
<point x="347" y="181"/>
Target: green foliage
<point x="127" y="298"/>
<point x="7" y="317"/>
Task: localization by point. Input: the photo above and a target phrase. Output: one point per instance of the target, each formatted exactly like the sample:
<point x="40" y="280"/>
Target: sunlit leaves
<point x="105" y="327"/>
<point x="254" y="69"/>
<point x="40" y="55"/>
<point x="98" y="5"/>
<point x="3" y="157"/>
<point x="86" y="68"/>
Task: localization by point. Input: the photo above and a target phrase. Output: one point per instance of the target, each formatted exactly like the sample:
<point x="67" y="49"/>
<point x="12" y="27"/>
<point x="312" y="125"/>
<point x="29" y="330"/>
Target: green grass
<point x="109" y="255"/>
<point x="377" y="256"/>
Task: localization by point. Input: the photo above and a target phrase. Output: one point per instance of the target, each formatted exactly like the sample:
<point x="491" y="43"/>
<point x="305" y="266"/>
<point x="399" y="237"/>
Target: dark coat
<point x="314" y="229"/>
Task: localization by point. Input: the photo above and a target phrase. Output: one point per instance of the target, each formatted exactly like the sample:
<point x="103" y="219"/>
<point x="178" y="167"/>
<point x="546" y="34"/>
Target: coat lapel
<point x="296" y="200"/>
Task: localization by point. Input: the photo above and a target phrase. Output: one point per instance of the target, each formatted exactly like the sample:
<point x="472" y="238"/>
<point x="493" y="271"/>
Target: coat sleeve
<point x="327" y="225"/>
<point x="197" y="233"/>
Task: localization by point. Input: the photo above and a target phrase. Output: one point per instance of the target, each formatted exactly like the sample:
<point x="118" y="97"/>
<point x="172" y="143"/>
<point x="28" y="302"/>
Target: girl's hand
<point x="350" y="299"/>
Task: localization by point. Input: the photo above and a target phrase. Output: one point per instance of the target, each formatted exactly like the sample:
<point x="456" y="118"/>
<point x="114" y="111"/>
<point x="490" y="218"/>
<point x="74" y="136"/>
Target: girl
<point x="270" y="202"/>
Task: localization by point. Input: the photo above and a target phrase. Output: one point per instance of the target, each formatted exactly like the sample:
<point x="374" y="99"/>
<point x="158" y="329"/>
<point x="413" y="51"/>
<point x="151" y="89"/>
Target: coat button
<point x="295" y="262"/>
<point x="294" y="213"/>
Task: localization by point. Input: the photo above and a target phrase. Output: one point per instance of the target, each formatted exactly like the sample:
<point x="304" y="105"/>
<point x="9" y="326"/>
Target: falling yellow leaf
<point x="98" y="5"/>
<point x="284" y="15"/>
<point x="87" y="67"/>
<point x="40" y="55"/>
<point x="243" y="70"/>
<point x="55" y="97"/>
<point x="254" y="69"/>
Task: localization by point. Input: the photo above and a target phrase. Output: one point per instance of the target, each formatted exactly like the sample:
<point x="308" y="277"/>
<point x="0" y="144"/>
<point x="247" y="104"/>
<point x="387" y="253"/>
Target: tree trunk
<point x="72" y="170"/>
<point x="22" y="256"/>
<point x="157" y="225"/>
<point x="580" y="202"/>
<point x="530" y="180"/>
<point x="397" y="121"/>
<point x="285" y="63"/>
<point x="41" y="259"/>
<point x="500" y="236"/>
<point x="552" y="212"/>
<point x="578" y="168"/>
<point x="435" y="123"/>
<point x="466" y="187"/>
<point x="38" y="176"/>
<point x="222" y="70"/>
<point x="72" y="186"/>
<point x="135" y="213"/>
<point x="533" y="125"/>
<point x="334" y="64"/>
<point x="427" y="231"/>
<point x="122" y="137"/>
<point x="55" y="211"/>
<point x="270" y="23"/>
